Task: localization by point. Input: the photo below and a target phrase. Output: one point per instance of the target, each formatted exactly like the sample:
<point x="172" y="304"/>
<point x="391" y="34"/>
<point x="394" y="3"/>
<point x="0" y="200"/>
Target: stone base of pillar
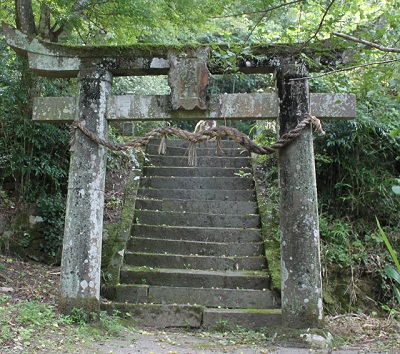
<point x="89" y="308"/>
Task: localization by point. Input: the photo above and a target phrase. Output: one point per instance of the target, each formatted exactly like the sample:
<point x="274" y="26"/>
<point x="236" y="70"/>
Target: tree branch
<point x="261" y="11"/>
<point x="320" y="23"/>
<point x="367" y="43"/>
<point x="345" y="69"/>
<point x="264" y="13"/>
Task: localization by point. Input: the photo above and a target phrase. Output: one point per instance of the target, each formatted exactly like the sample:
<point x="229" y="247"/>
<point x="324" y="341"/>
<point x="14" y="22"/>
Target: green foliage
<point x="52" y="210"/>
<point x="356" y="166"/>
<point x="239" y="83"/>
<point x="120" y="160"/>
<point x="33" y="157"/>
<point x="110" y="325"/>
<point x="77" y="316"/>
<point x="392" y="273"/>
<point x="221" y="326"/>
<point x="29" y="325"/>
<point x="27" y="318"/>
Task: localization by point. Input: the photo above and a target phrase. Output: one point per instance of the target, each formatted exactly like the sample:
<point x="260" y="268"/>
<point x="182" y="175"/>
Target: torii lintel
<point x="58" y="60"/>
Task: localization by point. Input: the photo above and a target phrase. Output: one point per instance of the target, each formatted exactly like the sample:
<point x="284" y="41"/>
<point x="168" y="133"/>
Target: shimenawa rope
<point x="194" y="138"/>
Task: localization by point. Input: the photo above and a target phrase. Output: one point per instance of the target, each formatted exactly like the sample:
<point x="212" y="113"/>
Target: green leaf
<point x="397" y="293"/>
<point x="395" y="132"/>
<point x="392" y="273"/>
<point x="389" y="246"/>
<point x="396" y="189"/>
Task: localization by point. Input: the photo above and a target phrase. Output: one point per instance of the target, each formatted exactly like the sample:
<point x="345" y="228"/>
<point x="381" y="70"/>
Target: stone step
<point x="201" y="150"/>
<point x="151" y="217"/>
<point x="198" y="194"/>
<point x="196" y="240"/>
<point x="187" y="171"/>
<point x="222" y="183"/>
<point x="198" y="206"/>
<point x="195" y="316"/>
<point x="158" y="316"/>
<point x="207" y="161"/>
<point x="202" y="234"/>
<point x="256" y="280"/>
<point x="185" y="144"/>
<point x="225" y="298"/>
<point x="193" y="261"/>
<point x="249" y="319"/>
<point x="158" y="245"/>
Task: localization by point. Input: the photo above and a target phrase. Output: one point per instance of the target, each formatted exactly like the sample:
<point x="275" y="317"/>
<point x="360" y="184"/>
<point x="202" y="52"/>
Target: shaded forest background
<point x="357" y="162"/>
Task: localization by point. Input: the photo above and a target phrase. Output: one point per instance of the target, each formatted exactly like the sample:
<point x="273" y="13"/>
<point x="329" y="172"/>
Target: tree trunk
<point x="46" y="31"/>
<point x="24" y="19"/>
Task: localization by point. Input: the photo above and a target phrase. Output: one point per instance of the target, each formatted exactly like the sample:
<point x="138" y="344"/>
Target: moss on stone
<point x="273" y="255"/>
<point x="269" y="225"/>
<point x="118" y="234"/>
<point x="89" y="307"/>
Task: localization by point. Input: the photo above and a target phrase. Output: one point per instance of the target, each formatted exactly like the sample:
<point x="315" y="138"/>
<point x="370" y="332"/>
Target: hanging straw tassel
<point x="162" y="149"/>
<point x="192" y="153"/>
<point x="218" y="146"/>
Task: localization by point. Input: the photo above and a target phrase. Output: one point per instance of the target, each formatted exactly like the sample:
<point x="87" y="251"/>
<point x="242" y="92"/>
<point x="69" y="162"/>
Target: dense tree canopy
<point x="265" y="21"/>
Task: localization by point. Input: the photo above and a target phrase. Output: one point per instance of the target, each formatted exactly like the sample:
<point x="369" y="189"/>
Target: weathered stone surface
<point x="299" y="229"/>
<point x="149" y="217"/>
<point x="57" y="60"/>
<point x="54" y="109"/>
<point x="227" y="106"/>
<point x="133" y="294"/>
<point x="187" y="171"/>
<point x="203" y="161"/>
<point x="81" y="258"/>
<point x="232" y="298"/>
<point x="159" y="316"/>
<point x="230" y="248"/>
<point x="198" y="206"/>
<point x="181" y="261"/>
<point x="194" y="194"/>
<point x="201" y="150"/>
<point x="114" y="246"/>
<point x="248" y="319"/>
<point x="256" y="280"/>
<point x="147" y="59"/>
<point x="224" y="183"/>
<point x="188" y="78"/>
<point x="333" y="105"/>
<point x="210" y="234"/>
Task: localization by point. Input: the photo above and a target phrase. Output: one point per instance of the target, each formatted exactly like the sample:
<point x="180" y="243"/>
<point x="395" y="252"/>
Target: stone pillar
<point x="81" y="257"/>
<point x="299" y="227"/>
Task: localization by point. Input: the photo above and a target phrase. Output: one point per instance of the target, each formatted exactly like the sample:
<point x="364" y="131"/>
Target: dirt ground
<point x="31" y="281"/>
<point x="170" y="342"/>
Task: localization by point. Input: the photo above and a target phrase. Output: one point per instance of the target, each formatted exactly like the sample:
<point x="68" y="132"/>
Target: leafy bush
<point x="356" y="166"/>
<point x="34" y="157"/>
<point x="52" y="210"/>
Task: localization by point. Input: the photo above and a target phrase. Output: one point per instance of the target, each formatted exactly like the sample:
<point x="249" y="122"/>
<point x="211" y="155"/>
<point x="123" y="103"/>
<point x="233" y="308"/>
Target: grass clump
<point x="33" y="327"/>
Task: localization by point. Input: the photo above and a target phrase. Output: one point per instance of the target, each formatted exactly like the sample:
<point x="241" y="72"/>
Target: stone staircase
<point x="196" y="257"/>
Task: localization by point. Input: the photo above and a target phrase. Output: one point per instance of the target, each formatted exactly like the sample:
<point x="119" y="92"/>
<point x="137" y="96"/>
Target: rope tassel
<point x="192" y="154"/>
<point x="162" y="149"/>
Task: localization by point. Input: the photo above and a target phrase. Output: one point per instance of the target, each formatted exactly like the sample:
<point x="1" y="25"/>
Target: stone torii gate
<point x="188" y="70"/>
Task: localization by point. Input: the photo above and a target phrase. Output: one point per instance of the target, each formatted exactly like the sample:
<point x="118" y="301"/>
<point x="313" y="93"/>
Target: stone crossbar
<point x="249" y="106"/>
